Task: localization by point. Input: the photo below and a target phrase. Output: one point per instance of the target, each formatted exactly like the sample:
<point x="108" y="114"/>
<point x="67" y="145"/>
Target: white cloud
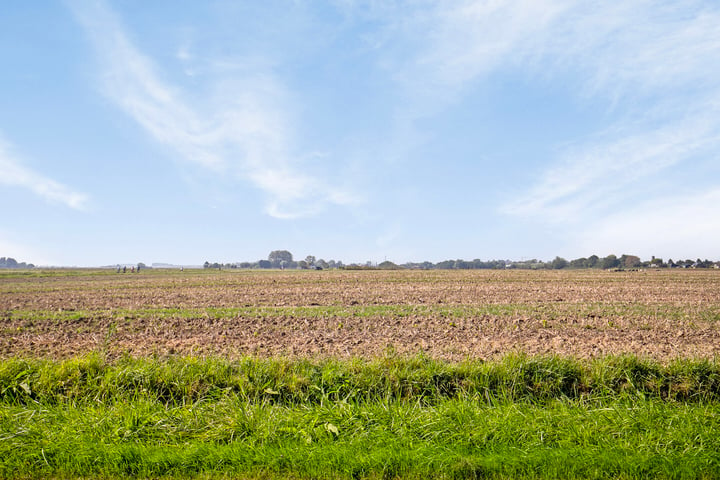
<point x="241" y="128"/>
<point x="14" y="174"/>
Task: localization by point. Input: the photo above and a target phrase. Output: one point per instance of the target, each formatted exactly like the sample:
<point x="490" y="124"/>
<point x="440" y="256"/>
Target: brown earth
<point x="445" y="314"/>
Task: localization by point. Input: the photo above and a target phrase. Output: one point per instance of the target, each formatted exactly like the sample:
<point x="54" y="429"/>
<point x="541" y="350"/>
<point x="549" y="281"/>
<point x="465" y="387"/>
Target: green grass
<point x="451" y="439"/>
<point x="391" y="417"/>
<point x="302" y="381"/>
<point x="559" y="311"/>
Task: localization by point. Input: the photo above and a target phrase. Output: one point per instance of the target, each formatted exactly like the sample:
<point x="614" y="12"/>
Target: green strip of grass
<point x="459" y="438"/>
<point x="710" y="313"/>
<point x="616" y="417"/>
<point x="302" y="381"/>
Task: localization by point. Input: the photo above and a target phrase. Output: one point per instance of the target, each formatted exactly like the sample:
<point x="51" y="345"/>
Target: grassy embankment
<point x="616" y="417"/>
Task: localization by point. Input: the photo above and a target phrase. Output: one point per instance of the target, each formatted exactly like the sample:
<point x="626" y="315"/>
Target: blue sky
<point x="178" y="131"/>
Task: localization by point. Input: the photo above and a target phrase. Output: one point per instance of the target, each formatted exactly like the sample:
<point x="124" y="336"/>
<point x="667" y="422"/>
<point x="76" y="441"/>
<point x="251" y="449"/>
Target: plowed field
<point x="661" y="314"/>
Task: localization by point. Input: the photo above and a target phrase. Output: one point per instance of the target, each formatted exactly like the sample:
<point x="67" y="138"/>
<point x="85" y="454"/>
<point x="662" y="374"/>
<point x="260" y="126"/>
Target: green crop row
<point x="648" y="312"/>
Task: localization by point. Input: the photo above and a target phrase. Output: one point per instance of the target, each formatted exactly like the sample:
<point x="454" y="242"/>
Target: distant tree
<point x="322" y="264"/>
<point x="704" y="263"/>
<point x="302" y="264"/>
<point x="445" y="265"/>
<point x="310" y="260"/>
<point x="463" y="265"/>
<point x="611" y="261"/>
<point x="579" y="263"/>
<point x="10" y="263"/>
<point x="559" y="263"/>
<point x="206" y="264"/>
<point x="485" y="265"/>
<point x="388" y="265"/>
<point x="630" y="261"/>
<point x="279" y="258"/>
<point x="592" y="261"/>
<point x="265" y="264"/>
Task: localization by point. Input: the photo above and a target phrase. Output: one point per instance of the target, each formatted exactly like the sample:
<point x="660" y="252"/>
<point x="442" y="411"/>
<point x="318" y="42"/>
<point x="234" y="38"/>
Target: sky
<point x="180" y="131"/>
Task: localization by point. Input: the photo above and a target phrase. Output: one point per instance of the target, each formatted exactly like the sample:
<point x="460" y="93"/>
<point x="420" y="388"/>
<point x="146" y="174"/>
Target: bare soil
<point x="445" y="314"/>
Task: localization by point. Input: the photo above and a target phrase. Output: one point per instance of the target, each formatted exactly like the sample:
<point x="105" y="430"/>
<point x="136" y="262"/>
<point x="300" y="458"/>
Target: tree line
<point x="283" y="259"/>
<point x="558" y="263"/>
<point x="10" y="262"/>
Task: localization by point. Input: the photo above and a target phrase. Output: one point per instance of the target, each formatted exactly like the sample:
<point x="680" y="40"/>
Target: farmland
<point x="360" y="374"/>
<point x="449" y="315"/>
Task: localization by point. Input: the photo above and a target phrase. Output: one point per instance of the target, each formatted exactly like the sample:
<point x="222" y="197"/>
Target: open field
<point x="445" y="314"/>
<point x="360" y="374"/>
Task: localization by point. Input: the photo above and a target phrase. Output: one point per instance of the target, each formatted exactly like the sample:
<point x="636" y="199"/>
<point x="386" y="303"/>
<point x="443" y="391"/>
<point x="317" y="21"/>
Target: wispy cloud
<point x="14" y="174"/>
<point x="592" y="176"/>
<point x="648" y="59"/>
<point x="471" y="39"/>
<point x="437" y="48"/>
<point x="644" y="61"/>
<point x="646" y="64"/>
<point x="239" y="128"/>
<point x="639" y="49"/>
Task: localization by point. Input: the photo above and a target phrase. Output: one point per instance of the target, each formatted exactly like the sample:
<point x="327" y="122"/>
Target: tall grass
<point x="181" y="380"/>
<point x="392" y="417"/>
